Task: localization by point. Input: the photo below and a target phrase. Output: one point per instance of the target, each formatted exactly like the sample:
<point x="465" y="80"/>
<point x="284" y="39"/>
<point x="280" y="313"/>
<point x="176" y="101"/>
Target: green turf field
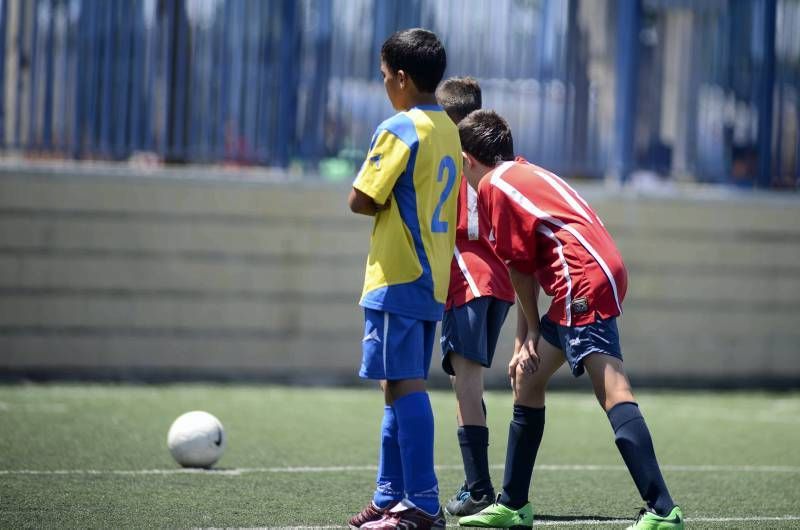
<point x="95" y="456"/>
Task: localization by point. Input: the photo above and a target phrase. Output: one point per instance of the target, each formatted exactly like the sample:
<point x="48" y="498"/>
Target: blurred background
<point x="174" y="172"/>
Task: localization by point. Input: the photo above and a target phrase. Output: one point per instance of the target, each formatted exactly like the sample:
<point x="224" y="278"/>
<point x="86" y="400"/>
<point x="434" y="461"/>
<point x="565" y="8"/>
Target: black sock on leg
<point x="636" y="447"/>
<point x="474" y="443"/>
<point x="524" y="436"/>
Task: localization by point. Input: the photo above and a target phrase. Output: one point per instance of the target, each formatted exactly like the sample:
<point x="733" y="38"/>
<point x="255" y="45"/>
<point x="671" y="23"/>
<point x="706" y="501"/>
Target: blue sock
<point x="636" y="447"/>
<point x="524" y="436"/>
<point x="415" y="421"/>
<point x="474" y="443"/>
<point x="390" y="466"/>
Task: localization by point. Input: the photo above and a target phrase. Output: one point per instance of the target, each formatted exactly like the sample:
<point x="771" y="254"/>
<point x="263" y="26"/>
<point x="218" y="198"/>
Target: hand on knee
<point x="528" y="390"/>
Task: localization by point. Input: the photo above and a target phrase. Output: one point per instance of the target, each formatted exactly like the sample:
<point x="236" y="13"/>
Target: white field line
<point x="340" y="469"/>
<point x="587" y="522"/>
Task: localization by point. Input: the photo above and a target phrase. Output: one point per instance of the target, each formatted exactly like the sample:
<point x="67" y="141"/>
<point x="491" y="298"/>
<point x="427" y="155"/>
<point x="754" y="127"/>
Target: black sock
<point x="524" y="436"/>
<point x="474" y="442"/>
<point x="636" y="447"/>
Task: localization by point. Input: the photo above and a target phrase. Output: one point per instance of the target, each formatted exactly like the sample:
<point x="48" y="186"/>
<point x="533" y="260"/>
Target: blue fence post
<point x="95" y="84"/>
<point x="107" y="97"/>
<point x="765" y="94"/>
<point x="3" y="26"/>
<point x="33" y="77"/>
<point x="138" y="42"/>
<point x="123" y="80"/>
<point x="151" y="54"/>
<point x="571" y="44"/>
<point x="179" y="91"/>
<point x="627" y="56"/>
<point x="47" y="119"/>
<point x="313" y="128"/>
<point x="265" y="106"/>
<point x="20" y="67"/>
<point x="224" y="49"/>
<point x="80" y="81"/>
<point x="287" y="102"/>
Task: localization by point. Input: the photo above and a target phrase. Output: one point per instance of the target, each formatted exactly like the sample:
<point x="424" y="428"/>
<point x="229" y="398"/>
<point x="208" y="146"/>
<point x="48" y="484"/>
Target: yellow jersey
<point x="414" y="159"/>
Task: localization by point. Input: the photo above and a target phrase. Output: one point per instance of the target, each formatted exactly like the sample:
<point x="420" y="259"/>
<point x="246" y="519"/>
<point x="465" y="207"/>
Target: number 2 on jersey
<point x="447" y="164"/>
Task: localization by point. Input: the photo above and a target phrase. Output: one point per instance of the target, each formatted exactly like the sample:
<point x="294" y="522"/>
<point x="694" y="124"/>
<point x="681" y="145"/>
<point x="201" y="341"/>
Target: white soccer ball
<point x="196" y="439"/>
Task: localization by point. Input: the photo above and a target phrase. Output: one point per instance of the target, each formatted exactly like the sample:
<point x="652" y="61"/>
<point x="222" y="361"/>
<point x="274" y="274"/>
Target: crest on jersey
<point x="580" y="305"/>
<point x="375" y="161"/>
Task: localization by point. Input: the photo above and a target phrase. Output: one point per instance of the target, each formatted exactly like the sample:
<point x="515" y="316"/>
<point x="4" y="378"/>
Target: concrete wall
<point x="103" y="271"/>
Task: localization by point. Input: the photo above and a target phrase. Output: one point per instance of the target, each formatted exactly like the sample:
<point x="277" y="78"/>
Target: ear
<point x="402" y="78"/>
<point x="469" y="160"/>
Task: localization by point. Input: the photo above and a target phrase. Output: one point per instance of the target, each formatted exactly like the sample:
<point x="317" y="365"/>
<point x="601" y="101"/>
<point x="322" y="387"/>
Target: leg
<point x="469" y="338"/>
<point x="473" y="437"/>
<point x="610" y="383"/>
<point x="631" y="433"/>
<point x="389" y="481"/>
<point x="409" y="348"/>
<point x="468" y="384"/>
<point x="527" y="427"/>
<point x="412" y="407"/>
<point x="529" y="389"/>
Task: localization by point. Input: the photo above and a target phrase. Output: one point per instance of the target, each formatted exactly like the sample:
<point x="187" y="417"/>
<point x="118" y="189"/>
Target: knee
<point x="610" y="397"/>
<point x="529" y="389"/>
<point x="467" y="390"/>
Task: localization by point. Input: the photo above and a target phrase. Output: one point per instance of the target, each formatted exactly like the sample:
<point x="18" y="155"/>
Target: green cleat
<point x="500" y="516"/>
<point x="648" y="520"/>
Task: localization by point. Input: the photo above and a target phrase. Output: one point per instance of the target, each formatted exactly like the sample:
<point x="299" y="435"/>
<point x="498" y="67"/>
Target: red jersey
<point x="541" y="226"/>
<point x="475" y="270"/>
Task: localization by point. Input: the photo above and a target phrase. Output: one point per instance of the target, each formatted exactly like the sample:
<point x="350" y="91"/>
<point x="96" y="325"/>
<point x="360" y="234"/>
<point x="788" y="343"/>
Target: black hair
<point x="459" y="96"/>
<point x="486" y="136"/>
<point x="419" y="53"/>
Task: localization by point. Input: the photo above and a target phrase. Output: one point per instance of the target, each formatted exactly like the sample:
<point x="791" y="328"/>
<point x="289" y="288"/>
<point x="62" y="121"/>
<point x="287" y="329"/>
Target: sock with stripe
<point x="415" y="427"/>
<point x="636" y="447"/>
<point x="524" y="436"/>
<point x="390" y="466"/>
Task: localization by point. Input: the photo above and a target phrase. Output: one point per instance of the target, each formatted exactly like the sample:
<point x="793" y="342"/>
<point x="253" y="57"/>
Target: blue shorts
<point x="395" y="347"/>
<point x="471" y="330"/>
<point x="601" y="336"/>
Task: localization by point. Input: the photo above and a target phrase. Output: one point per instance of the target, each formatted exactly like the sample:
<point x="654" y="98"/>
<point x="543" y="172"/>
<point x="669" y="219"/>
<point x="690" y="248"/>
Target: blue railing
<point x="589" y="87"/>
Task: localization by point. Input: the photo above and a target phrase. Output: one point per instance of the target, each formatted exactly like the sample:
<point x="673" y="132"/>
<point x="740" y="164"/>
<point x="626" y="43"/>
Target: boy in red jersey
<point x="550" y="237"/>
<point x="478" y="301"/>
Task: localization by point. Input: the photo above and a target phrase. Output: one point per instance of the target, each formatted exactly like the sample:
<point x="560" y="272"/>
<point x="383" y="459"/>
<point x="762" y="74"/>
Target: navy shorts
<point x="601" y="336"/>
<point x="395" y="347"/>
<point x="471" y="330"/>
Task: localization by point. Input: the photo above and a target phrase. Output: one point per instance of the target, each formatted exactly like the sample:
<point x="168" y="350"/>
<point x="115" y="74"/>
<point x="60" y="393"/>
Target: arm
<point x="527" y="289"/>
<point x="522" y="329"/>
<point x="386" y="161"/>
<point x="362" y="203"/>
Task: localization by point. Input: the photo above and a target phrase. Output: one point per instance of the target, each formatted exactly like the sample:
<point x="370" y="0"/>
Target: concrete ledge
<point x="211" y="274"/>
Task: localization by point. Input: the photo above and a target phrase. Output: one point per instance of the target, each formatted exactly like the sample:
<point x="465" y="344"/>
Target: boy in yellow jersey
<point x="410" y="183"/>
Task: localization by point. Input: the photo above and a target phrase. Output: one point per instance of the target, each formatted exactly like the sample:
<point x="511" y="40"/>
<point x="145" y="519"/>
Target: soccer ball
<point x="196" y="439"/>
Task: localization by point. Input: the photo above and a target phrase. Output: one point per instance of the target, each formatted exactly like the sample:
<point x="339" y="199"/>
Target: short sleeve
<point x="511" y="232"/>
<point x="386" y="161"/>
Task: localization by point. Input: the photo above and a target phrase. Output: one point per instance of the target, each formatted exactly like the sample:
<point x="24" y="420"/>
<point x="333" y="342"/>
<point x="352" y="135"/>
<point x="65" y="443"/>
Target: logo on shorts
<point x="575" y="342"/>
<point x="580" y="305"/>
<point x="372" y="335"/>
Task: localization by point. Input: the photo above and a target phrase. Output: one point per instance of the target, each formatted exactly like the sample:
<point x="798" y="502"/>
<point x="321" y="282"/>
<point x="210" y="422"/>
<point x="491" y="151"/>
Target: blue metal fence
<point x="589" y="87"/>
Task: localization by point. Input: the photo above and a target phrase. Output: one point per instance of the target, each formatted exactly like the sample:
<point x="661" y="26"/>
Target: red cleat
<point x="408" y="518"/>
<point x="369" y="514"/>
